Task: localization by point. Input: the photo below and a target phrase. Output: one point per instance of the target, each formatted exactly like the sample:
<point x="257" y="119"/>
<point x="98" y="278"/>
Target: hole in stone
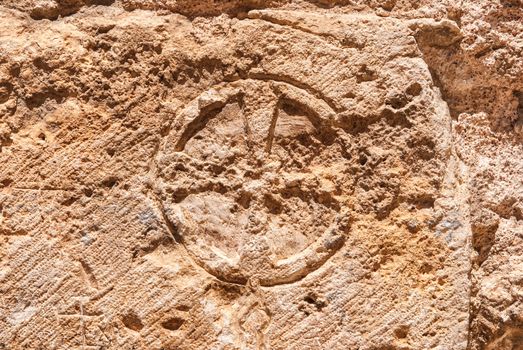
<point x="313" y="299"/>
<point x="173" y="324"/>
<point x="179" y="195"/>
<point x="110" y="182"/>
<point x="244" y="199"/>
<point x="363" y="159"/>
<point x="397" y="100"/>
<point x="388" y="5"/>
<point x="132" y="321"/>
<point x="309" y="299"/>
<point x="110" y="152"/>
<point x="414" y="89"/>
<point x="69" y="201"/>
<point x="6" y="182"/>
<point x="272" y="204"/>
<point x="401" y="332"/>
<point x="183" y="307"/>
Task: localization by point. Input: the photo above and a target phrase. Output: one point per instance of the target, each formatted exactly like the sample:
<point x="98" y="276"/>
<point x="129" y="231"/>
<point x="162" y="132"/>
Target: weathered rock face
<point x="261" y="174"/>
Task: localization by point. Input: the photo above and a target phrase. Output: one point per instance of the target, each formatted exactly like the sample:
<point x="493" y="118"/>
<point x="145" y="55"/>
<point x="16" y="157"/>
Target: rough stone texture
<point x="276" y="174"/>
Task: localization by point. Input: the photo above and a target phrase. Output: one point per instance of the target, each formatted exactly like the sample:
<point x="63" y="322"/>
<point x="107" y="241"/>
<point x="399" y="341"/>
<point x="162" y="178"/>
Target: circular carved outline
<point x="284" y="271"/>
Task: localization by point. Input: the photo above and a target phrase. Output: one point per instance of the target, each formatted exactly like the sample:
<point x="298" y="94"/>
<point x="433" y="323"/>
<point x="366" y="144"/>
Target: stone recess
<point x="283" y="174"/>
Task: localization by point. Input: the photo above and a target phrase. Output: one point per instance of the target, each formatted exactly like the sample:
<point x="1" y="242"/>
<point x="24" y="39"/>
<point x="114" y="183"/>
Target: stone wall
<point x="281" y="174"/>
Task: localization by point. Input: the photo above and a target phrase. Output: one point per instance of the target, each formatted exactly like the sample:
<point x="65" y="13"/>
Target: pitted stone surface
<point x="261" y="174"/>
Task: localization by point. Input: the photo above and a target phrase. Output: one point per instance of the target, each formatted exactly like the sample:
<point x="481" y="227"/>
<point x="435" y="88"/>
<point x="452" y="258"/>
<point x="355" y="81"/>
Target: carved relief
<point x="258" y="203"/>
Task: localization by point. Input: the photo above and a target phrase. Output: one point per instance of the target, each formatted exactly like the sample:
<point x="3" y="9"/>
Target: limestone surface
<point x="283" y="174"/>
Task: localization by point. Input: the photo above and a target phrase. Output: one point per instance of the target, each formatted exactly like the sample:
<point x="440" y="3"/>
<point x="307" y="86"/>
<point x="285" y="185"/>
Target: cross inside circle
<point x="245" y="179"/>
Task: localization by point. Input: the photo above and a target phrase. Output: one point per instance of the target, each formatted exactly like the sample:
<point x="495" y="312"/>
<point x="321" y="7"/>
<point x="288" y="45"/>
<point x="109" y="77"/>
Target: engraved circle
<point x="241" y="179"/>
